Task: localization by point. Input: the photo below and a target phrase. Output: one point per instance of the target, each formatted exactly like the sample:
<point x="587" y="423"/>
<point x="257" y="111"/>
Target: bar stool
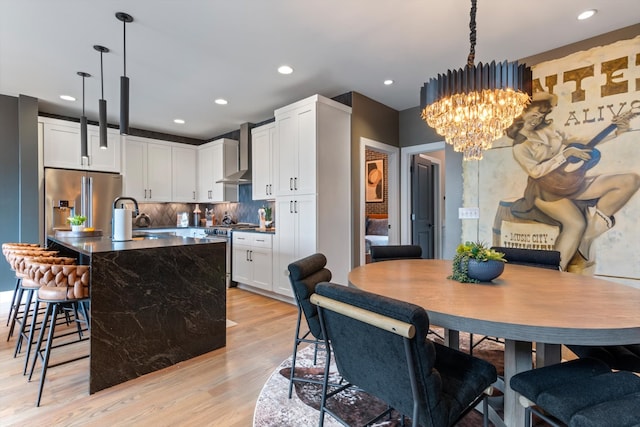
<point x="7" y="248"/>
<point x="60" y="285"/>
<point x="15" y="259"/>
<point x="31" y="286"/>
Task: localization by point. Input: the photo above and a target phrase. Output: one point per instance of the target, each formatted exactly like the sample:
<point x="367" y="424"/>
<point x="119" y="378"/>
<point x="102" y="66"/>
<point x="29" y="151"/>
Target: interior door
<point x="422" y="205"/>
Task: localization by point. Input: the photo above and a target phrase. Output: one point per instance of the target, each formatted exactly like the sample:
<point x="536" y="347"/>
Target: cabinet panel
<point x="216" y="160"/>
<point x="285" y="159"/>
<point x="305" y="182"/>
<point x="147" y="170"/>
<point x="135" y="170"/>
<point x="159" y="172"/>
<point x="252" y="259"/>
<point x="183" y="171"/>
<point x="262" y="168"/>
<point x="61" y="147"/>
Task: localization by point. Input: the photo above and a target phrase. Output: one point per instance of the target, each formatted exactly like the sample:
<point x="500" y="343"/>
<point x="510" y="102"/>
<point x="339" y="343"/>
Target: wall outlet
<point x="468" y="213"/>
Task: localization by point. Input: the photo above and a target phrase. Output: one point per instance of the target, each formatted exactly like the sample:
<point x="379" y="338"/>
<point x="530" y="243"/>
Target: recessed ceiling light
<point x="67" y="97"/>
<point x="587" y="14"/>
<point x="285" y="69"/>
<point x="388" y="82"/>
<point x="179" y="121"/>
<point x="221" y="101"/>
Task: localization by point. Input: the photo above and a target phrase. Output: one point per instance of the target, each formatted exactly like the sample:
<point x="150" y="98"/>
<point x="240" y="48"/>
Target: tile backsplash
<point x="245" y="210"/>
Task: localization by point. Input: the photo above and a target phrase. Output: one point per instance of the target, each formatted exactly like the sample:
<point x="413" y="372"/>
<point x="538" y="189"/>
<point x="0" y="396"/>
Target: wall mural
<point x="566" y="174"/>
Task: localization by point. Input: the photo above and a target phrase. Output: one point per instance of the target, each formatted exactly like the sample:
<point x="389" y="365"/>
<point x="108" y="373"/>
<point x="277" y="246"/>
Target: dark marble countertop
<point x="255" y="230"/>
<point x="90" y="245"/>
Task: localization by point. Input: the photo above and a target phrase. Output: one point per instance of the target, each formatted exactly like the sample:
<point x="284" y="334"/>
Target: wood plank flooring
<point x="216" y="389"/>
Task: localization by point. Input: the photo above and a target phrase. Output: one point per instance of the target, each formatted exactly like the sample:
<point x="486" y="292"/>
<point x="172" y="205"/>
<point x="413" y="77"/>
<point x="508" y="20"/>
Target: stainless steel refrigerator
<point x="72" y="192"/>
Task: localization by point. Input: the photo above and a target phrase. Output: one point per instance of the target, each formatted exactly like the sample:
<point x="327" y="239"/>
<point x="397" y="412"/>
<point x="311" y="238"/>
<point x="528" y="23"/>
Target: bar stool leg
<point x="12" y="307"/>
<point x="37" y="352"/>
<point x="25" y="320"/>
<point x="30" y="340"/>
<point x="16" y="311"/>
<point x="47" y="350"/>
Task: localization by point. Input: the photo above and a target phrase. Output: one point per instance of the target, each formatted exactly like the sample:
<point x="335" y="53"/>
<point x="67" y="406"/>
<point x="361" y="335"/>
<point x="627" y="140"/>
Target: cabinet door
<point x="217" y="172"/>
<point x="104" y="159"/>
<point x="205" y="179"/>
<point x="135" y="170"/>
<point x="262" y="264"/>
<point x="285" y="243"/>
<point x="159" y="172"/>
<point x="306" y="225"/>
<point x="262" y="138"/>
<point x="183" y="171"/>
<point x="241" y="266"/>
<point x="61" y="146"/>
<point x="305" y="180"/>
<point x="286" y="154"/>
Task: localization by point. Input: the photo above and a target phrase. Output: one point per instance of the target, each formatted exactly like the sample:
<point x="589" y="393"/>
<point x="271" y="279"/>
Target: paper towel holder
<point x="136" y="211"/>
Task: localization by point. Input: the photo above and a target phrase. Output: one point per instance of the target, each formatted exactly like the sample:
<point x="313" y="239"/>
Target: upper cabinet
<point x="183" y="171"/>
<point x="295" y="151"/>
<point x="262" y="143"/>
<point x="61" y="147"/>
<point x="148" y="171"/>
<point x="216" y="160"/>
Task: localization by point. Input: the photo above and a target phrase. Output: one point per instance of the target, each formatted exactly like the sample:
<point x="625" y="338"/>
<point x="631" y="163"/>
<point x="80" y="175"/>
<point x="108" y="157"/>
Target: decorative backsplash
<point x="246" y="210"/>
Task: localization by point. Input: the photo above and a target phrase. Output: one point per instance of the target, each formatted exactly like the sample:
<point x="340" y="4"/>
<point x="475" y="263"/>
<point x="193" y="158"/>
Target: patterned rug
<point x="275" y="409"/>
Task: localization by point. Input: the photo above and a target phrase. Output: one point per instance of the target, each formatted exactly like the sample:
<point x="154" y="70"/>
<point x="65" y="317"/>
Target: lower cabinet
<point x="252" y="259"/>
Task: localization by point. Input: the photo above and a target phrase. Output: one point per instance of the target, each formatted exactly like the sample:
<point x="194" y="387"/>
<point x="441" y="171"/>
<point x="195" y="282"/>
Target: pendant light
<point x="102" y="103"/>
<point x="472" y="107"/>
<point x="84" y="146"/>
<point x="124" y="80"/>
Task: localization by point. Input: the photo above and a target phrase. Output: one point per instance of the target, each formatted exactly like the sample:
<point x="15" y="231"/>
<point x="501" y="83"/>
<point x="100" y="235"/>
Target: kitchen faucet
<point x="115" y="205"/>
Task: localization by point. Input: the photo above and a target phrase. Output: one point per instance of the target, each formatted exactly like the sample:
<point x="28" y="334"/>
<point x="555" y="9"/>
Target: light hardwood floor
<point x="216" y="389"/>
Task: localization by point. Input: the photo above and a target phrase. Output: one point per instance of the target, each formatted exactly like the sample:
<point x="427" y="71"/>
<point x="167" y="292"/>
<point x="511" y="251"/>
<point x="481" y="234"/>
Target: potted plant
<point x="474" y="263"/>
<point x="268" y="220"/>
<point x="76" y="222"/>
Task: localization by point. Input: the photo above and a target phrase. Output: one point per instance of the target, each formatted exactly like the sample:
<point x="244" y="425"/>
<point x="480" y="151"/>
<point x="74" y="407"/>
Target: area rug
<point x="275" y="409"/>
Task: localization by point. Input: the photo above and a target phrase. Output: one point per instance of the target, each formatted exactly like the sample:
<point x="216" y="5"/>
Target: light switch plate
<point x="468" y="213"/>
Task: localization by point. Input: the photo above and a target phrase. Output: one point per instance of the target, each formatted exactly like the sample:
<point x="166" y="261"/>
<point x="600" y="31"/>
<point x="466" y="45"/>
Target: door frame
<point x="393" y="204"/>
<point x="405" y="193"/>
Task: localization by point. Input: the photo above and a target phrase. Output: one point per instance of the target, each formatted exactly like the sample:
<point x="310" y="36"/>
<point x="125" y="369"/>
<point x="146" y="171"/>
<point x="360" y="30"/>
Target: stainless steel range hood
<point x="243" y="176"/>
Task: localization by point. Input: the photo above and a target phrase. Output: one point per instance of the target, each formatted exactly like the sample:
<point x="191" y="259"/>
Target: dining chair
<point x="392" y="252"/>
<point x="579" y="393"/>
<point x="620" y="357"/>
<point x="304" y="275"/>
<point x="379" y="347"/>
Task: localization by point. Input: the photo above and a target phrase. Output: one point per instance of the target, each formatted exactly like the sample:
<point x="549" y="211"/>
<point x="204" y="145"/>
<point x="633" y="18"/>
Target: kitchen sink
<point x="151" y="236"/>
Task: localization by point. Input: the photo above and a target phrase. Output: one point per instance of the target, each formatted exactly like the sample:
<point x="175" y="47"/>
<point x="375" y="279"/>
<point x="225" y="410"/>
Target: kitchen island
<point x="154" y="302"/>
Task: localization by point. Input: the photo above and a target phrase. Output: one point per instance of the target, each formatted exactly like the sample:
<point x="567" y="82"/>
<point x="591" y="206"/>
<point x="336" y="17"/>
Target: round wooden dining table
<point x="524" y="305"/>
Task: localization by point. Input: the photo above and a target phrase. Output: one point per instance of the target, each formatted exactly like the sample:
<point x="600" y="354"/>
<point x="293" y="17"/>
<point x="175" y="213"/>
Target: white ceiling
<point x="181" y="55"/>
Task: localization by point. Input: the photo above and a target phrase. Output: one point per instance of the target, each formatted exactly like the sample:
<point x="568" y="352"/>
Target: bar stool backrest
<point x="75" y="277"/>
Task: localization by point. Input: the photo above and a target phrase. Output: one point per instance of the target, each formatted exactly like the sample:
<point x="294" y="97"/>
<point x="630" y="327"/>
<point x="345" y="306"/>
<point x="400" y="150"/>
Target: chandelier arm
<point x="472" y="34"/>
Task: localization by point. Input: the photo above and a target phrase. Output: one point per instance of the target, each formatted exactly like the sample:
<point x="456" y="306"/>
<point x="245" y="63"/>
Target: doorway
<point x="391" y="192"/>
<point x="433" y="238"/>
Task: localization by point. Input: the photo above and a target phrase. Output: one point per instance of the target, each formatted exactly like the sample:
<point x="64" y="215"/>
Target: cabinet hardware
<point x="295" y="183"/>
<point x="145" y="193"/>
<point x="266" y="188"/>
<point x="295" y="207"/>
<point x="150" y="196"/>
<point x="290" y="206"/>
<point x="291" y="184"/>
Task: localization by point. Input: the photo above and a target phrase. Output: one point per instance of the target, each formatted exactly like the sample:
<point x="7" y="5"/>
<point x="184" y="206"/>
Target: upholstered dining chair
<point x="620" y="357"/>
<point x="579" y="393"/>
<point x="304" y="275"/>
<point x="380" y="347"/>
<point x="391" y="252"/>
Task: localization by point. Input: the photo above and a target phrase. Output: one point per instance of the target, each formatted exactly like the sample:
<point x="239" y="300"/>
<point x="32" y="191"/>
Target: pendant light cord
<point x="101" y="78"/>
<point x="472" y="35"/>
<point x="124" y="33"/>
<point x="83" y="95"/>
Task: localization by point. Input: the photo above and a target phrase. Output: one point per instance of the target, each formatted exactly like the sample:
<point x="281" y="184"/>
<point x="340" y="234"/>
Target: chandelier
<point x="472" y="107"/>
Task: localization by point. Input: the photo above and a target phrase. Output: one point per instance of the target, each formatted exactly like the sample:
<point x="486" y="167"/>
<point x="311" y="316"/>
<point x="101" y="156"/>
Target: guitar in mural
<point x="567" y="178"/>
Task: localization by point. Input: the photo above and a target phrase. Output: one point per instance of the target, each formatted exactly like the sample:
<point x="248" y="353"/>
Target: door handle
<point x="246" y="255"/>
<point x="291" y="184"/>
<point x="295" y="206"/>
<point x="266" y="189"/>
<point x="194" y="195"/>
<point x="290" y="206"/>
<point x="150" y="196"/>
<point x="251" y="256"/>
<point x="145" y="193"/>
<point x="295" y="183"/>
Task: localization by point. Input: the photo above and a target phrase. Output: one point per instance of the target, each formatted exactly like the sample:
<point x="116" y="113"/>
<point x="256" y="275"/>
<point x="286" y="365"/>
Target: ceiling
<point x="181" y="55"/>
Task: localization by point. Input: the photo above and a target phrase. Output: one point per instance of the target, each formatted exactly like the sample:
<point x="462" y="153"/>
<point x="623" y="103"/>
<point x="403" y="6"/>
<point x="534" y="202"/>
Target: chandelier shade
<point x="472" y="106"/>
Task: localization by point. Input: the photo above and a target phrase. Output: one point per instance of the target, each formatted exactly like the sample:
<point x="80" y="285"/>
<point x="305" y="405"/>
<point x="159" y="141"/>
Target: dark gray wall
<point x="19" y="208"/>
<point x="10" y="178"/>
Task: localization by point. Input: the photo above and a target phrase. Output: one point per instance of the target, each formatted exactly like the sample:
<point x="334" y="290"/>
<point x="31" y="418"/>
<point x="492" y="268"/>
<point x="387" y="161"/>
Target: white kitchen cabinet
<point x="183" y="173"/>
<point x="216" y="160"/>
<point x="252" y="259"/>
<point x="262" y="143"/>
<point x="61" y="147"/>
<point x="316" y="214"/>
<point x="147" y="170"/>
<point x="296" y="235"/>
